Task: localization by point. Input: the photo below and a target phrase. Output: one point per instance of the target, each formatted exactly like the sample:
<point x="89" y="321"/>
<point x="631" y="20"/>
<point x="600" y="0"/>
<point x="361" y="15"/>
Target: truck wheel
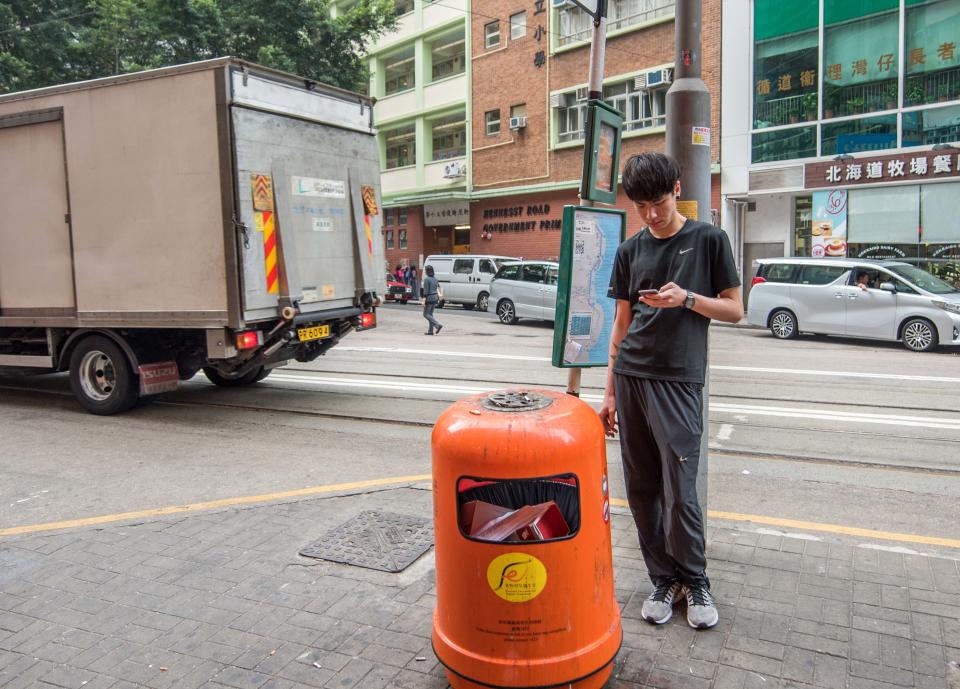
<point x="919" y="335"/>
<point x="506" y="312"/>
<point x="101" y="377"/>
<point x="248" y="378"/>
<point x="483" y="301"/>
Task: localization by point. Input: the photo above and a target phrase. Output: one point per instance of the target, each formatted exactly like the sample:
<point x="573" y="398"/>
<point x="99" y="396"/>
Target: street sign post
<point x="601" y="153"/>
<point x="598" y="10"/>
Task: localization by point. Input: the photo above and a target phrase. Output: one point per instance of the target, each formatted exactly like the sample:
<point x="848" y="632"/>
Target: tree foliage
<point x="46" y="42"/>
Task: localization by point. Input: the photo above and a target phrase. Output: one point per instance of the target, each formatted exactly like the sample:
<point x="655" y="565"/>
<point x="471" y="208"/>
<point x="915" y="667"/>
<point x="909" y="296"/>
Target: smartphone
<point x="648" y="292"/>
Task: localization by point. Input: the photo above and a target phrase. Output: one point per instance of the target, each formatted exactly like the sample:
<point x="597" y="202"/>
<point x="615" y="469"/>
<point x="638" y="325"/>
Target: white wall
<point x="772" y="220"/>
<point x="735" y="78"/>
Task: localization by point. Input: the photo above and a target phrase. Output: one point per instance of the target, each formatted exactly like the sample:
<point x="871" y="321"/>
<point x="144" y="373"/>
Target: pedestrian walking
<point x="415" y="283"/>
<point x="669" y="280"/>
<point x="431" y="295"/>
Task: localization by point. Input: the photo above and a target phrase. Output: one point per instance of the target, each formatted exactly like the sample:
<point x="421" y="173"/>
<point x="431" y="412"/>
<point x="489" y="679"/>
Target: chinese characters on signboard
<point x="882" y="65"/>
<point x="894" y="168"/>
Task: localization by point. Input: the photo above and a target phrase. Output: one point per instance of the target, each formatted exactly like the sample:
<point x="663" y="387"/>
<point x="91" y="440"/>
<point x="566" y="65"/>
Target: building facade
<point x="526" y="67"/>
<point x="841" y="129"/>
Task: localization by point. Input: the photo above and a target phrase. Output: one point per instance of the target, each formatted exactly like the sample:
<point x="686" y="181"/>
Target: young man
<point x="669" y="280"/>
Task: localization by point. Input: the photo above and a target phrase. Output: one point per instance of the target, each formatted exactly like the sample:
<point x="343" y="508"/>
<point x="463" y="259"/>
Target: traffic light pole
<point x="688" y="140"/>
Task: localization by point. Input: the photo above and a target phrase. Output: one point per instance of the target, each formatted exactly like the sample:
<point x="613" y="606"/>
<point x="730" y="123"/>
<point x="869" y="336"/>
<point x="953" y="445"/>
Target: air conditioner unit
<point x="558" y="4"/>
<point x="583" y="92"/>
<point x="455" y="170"/>
<point x="518" y="122"/>
<point x="655" y="79"/>
<point x="556" y="100"/>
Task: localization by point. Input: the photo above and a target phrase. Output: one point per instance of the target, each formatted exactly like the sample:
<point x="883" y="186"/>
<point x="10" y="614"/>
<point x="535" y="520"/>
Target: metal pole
<point x="688" y="140"/>
<point x="598" y="49"/>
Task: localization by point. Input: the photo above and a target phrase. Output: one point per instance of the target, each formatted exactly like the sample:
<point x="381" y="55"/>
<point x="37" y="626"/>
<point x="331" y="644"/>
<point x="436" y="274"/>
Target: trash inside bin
<point x="524" y="563"/>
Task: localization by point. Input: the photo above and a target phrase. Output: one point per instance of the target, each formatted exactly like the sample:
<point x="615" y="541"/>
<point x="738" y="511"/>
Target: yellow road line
<point x="397" y="480"/>
<point x="212" y="504"/>
<point x="825" y="528"/>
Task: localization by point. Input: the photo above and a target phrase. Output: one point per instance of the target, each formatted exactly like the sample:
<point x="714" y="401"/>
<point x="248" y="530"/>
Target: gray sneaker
<point x="658" y="608"/>
<point x="701" y="610"/>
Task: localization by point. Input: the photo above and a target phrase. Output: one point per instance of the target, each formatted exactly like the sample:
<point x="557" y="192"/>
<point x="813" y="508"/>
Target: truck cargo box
<point x="216" y="215"/>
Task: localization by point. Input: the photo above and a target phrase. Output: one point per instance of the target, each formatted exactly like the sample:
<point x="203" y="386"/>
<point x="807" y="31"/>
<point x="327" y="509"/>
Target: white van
<point x="883" y="300"/>
<point x="465" y="278"/>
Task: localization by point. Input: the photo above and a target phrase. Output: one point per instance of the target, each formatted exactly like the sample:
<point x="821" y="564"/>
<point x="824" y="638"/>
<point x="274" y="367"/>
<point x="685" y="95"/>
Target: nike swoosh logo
<point x="683" y="251"/>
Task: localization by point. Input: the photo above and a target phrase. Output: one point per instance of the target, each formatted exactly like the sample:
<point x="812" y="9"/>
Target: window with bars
<point x="448" y="55"/>
<point x="492" y="121"/>
<point x="576" y="24"/>
<point x="491" y="34"/>
<point x="449" y="137"/>
<point x="401" y="148"/>
<point x="399" y="72"/>
<point x="641" y="109"/>
<point x="518" y="25"/>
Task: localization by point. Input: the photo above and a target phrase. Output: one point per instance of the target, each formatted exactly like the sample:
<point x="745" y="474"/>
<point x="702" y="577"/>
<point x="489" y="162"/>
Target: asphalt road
<point x="852" y="433"/>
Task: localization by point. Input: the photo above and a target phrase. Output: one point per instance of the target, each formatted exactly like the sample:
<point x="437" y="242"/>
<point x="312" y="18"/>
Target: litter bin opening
<point x="533" y="510"/>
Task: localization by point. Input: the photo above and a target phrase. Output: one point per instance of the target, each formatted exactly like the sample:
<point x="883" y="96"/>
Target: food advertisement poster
<point x="829" y="226"/>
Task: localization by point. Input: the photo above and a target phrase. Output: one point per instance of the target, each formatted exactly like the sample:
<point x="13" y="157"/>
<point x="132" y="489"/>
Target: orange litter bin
<point x="522" y="529"/>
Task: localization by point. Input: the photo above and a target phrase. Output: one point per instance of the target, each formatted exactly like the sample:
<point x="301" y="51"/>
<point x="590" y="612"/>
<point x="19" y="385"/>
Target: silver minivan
<point x="882" y="300"/>
<point x="465" y="278"/>
<point x="525" y="289"/>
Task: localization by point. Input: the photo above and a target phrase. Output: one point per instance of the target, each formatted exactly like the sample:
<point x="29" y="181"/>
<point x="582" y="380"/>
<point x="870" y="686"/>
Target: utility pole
<point x="688" y="140"/>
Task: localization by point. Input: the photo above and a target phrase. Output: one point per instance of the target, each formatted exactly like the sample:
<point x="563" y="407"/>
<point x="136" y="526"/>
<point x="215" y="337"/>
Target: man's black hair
<point x="429" y="271"/>
<point x="650" y="176"/>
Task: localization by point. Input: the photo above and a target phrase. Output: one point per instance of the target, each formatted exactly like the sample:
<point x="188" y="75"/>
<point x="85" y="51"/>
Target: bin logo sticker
<point x="517" y="577"/>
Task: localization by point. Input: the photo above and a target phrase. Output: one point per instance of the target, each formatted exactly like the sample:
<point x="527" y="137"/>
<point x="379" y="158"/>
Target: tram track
<point x="728" y="408"/>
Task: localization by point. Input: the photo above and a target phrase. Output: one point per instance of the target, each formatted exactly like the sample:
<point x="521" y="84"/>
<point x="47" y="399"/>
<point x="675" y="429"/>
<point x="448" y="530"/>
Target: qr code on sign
<point x="579" y="248"/>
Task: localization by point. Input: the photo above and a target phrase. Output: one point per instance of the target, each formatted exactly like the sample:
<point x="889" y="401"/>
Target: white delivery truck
<point x="216" y="216"/>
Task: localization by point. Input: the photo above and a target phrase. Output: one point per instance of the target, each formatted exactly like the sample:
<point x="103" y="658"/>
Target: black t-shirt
<point x="670" y="343"/>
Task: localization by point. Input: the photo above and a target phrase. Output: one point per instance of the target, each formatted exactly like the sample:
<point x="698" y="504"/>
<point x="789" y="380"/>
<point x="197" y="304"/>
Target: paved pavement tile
<point x="223" y="600"/>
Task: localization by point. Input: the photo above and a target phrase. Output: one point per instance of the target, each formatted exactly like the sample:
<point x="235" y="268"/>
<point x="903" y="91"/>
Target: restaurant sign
<point x="915" y="166"/>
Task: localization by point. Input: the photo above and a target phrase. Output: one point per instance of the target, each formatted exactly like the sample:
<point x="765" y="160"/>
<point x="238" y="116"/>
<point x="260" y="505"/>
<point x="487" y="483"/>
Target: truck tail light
<point x="757" y="280"/>
<point x="248" y="339"/>
<point x="368" y="320"/>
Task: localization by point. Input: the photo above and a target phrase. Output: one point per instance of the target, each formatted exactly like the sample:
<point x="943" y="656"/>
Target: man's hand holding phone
<point x="668" y="296"/>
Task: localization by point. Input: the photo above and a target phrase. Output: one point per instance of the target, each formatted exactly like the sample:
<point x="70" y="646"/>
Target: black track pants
<point x="661" y="423"/>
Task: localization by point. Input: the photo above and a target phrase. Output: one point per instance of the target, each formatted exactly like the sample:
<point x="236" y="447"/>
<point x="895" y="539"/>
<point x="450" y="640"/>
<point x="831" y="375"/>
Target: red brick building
<point x="528" y="66"/>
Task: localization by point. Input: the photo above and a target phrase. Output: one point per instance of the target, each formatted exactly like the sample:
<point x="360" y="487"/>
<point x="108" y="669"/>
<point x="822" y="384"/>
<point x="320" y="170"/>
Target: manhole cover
<point x="376" y="540"/>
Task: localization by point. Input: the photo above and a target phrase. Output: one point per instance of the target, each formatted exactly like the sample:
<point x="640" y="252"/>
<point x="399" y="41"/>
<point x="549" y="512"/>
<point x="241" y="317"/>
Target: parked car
<point x="397" y="291"/>
<point x="525" y="289"/>
<point x="897" y="301"/>
<point x="465" y="278"/>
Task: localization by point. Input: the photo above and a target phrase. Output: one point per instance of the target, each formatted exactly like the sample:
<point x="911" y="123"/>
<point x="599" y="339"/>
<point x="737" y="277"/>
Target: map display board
<point x="584" y="316"/>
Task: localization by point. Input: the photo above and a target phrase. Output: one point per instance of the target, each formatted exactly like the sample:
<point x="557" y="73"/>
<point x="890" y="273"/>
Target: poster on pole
<point x="585" y="314"/>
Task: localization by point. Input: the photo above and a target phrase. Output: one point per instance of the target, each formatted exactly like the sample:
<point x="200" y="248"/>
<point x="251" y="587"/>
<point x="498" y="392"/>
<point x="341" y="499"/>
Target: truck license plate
<point x="317" y="332"/>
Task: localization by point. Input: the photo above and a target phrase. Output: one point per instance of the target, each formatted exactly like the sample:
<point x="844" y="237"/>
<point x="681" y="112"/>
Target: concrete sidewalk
<point x="222" y="599"/>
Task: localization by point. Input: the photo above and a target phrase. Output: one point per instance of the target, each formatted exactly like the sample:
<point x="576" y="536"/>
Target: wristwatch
<point x="689" y="301"/>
